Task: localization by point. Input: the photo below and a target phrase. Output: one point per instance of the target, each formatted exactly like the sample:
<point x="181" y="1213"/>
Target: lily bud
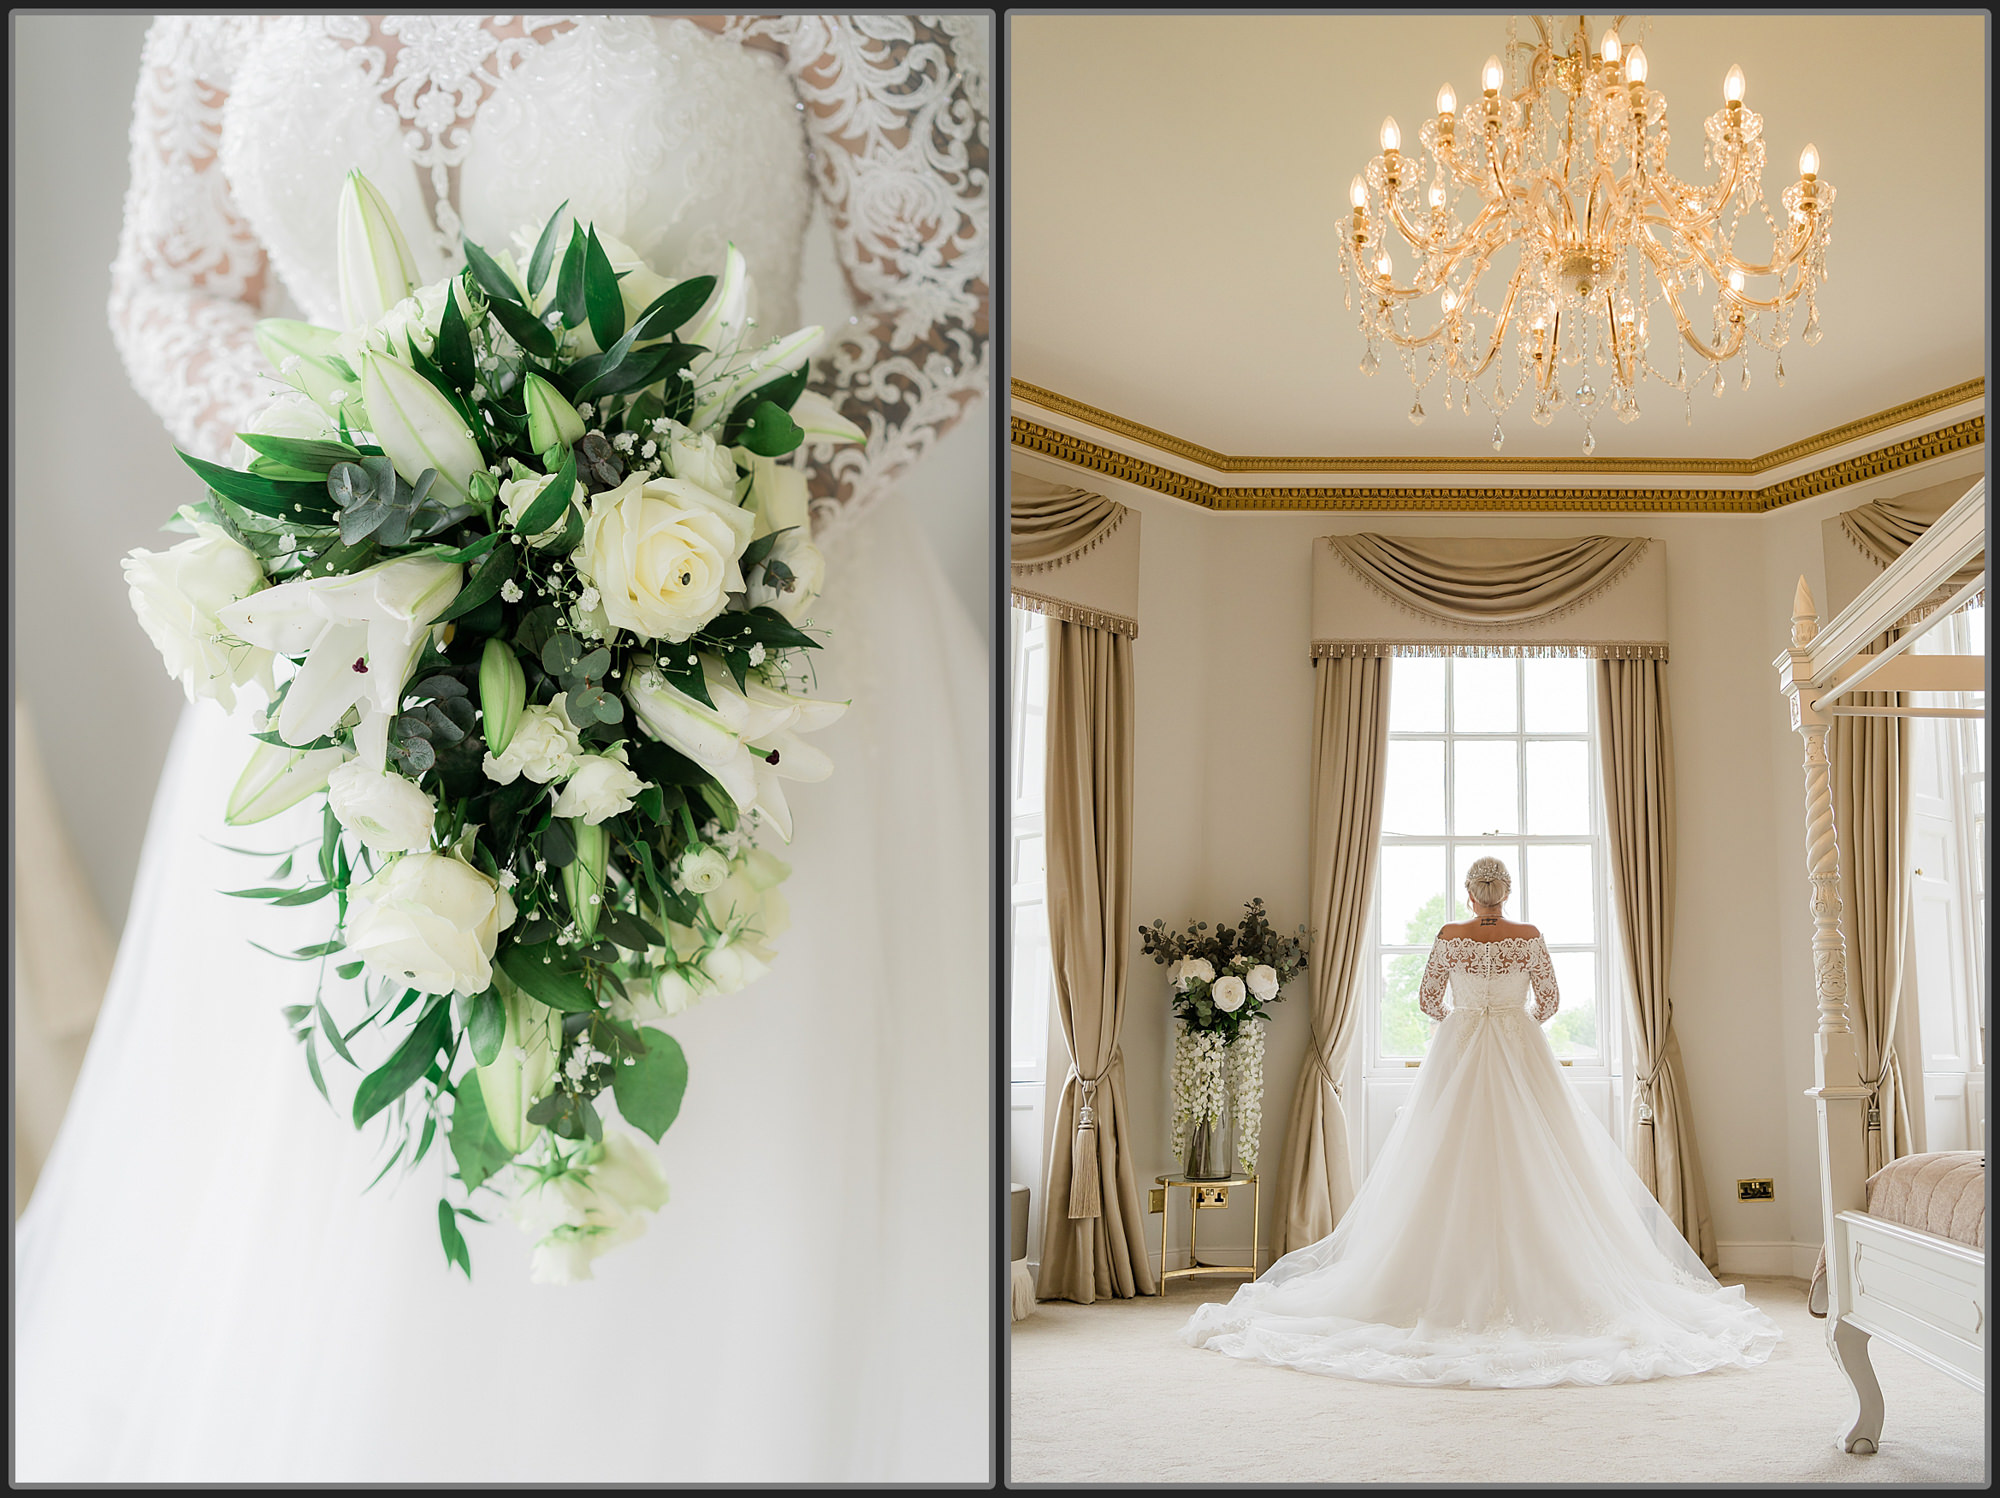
<point x="278" y="777"/>
<point x="376" y="268"/>
<point x="523" y="1067"/>
<point x="552" y="421"/>
<point x="503" y="691"/>
<point x="816" y="417"/>
<point x="417" y="427"/>
<point x="583" y="876"/>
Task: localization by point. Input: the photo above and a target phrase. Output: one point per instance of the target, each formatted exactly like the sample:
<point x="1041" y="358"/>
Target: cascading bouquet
<point x="1224" y="980"/>
<point x="522" y="540"/>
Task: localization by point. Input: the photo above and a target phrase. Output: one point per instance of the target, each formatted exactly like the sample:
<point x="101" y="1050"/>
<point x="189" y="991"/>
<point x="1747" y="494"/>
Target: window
<point x="1029" y="1003"/>
<point x="1492" y="756"/>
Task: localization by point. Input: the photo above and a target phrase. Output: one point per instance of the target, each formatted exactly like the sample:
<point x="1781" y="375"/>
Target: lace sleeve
<point x="1437" y="972"/>
<point x="896" y="107"/>
<point x="1542" y="979"/>
<point x="190" y="279"/>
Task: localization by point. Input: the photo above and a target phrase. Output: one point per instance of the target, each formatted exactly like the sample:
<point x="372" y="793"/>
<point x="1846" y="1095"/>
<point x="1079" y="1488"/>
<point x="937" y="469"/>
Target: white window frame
<point x="1028" y="819"/>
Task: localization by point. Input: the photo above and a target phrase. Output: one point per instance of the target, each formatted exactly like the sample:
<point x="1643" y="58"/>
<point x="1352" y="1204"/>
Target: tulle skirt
<point x="1500" y="1241"/>
<point x="205" y="1292"/>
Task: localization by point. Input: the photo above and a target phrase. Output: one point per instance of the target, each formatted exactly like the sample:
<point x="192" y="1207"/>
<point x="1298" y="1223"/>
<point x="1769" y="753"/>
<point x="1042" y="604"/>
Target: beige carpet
<point x="1108" y="1393"/>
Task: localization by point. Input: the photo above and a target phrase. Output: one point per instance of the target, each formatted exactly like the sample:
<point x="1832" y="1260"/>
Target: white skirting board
<point x="1782" y="1260"/>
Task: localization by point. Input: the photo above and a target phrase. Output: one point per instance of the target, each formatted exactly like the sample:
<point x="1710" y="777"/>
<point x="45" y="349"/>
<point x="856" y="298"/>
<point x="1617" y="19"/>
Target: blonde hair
<point x="1487" y="882"/>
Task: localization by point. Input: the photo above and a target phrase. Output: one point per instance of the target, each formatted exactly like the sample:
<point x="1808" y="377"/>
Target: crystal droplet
<point x="1813" y="334"/>
<point x="1369" y="361"/>
<point x="1542" y="414"/>
<point x="1417" y="414"/>
<point x="1781" y="370"/>
<point x="1589" y="442"/>
<point x="1718" y="382"/>
<point x="1586" y="392"/>
<point x="1745" y="382"/>
<point x="1498" y="436"/>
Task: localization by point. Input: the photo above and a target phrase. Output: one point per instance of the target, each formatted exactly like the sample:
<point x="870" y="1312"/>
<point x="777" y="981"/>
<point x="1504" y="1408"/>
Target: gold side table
<point x="1204" y="1196"/>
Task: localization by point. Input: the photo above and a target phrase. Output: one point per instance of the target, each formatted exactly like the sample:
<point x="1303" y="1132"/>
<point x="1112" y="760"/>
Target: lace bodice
<point x="672" y="134"/>
<point x="1489" y="975"/>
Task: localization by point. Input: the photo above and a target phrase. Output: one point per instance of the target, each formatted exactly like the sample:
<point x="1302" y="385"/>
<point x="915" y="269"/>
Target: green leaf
<point x="333" y="1035"/>
<point x="628" y="930"/>
<point x="759" y="626"/>
<point x="559" y="844"/>
<point x="757" y="550"/>
<point x="485" y="1026"/>
<point x="769" y="432"/>
<point x="526" y="329"/>
<point x="312" y="1065"/>
<point x="486" y="270"/>
<point x="639" y="369"/>
<point x="556" y="985"/>
<point x="473" y="552"/>
<point x="424" y="1144"/>
<point x="552" y="501"/>
<point x="317" y="458"/>
<point x="569" y="283"/>
<point x="545" y="251"/>
<point x="387" y="1165"/>
<point x="395" y="1076"/>
<point x="299" y="502"/>
<point x="454" y="343"/>
<point x="329" y="840"/>
<point x="304" y="896"/>
<point x="782" y="392"/>
<point x="674" y="306"/>
<point x="649" y="1091"/>
<point x="455" y="1251"/>
<point x="350" y="970"/>
<point x="474" y="1145"/>
<point x="604" y="306"/>
<point x="484" y="583"/>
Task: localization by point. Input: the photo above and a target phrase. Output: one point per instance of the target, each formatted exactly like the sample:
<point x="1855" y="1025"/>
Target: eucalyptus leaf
<point x="485" y="1026"/>
<point x="649" y="1091"/>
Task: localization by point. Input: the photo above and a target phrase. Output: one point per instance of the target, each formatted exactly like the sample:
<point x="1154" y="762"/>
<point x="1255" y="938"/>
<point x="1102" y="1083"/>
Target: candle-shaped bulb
<point x="1447" y="100"/>
<point x="1383" y="265"/>
<point x="1809" y="163"/>
<point x="1437" y="195"/>
<point x="1635" y="65"/>
<point x="1732" y="85"/>
<point x="1392" y="137"/>
<point x="1490" y="75"/>
<point x="1450" y="300"/>
<point x="1609" y="49"/>
<point x="1736" y="280"/>
<point x="1357" y="192"/>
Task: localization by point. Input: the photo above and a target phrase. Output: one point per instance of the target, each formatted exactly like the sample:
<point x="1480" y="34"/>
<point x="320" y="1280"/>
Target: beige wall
<point x="1224" y="711"/>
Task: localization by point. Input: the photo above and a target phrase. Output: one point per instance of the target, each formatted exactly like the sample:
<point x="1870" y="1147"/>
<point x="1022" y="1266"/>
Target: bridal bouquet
<point x="1224" y="980"/>
<point x="526" y="587"/>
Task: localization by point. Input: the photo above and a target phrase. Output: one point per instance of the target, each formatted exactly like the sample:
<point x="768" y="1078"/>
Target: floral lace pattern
<point x="676" y="131"/>
<point x="1489" y="974"/>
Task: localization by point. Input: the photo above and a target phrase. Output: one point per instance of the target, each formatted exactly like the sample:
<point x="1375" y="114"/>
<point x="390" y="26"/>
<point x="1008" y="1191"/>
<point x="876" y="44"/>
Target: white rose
<point x="663" y="555"/>
<point x="1227" y="994"/>
<point x="545" y="746"/>
<point x="695" y="457"/>
<point x="791" y="577"/>
<point x="431" y="921"/>
<point x="1262" y="980"/>
<point x="702" y="869"/>
<point x="599" y="788"/>
<point x="515" y="497"/>
<point x="581" y="1214"/>
<point x="178" y="595"/>
<point x="1196" y="970"/>
<point x="749" y="906"/>
<point x="387" y="812"/>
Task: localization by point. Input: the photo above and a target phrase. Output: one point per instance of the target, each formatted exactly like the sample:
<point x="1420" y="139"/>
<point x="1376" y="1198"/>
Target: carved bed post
<point x="1840" y="1098"/>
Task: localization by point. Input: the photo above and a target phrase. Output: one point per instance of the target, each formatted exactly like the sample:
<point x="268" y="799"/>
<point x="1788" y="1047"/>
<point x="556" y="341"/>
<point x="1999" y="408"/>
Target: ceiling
<point x="1177" y="184"/>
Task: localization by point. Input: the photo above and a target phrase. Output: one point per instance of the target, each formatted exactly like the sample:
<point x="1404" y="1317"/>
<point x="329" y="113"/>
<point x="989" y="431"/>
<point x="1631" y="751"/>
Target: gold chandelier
<point x="1570" y="172"/>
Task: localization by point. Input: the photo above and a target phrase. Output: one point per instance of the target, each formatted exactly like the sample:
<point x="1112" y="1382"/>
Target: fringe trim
<point x="1861" y="542"/>
<point x="1071" y="613"/>
<point x="1376" y="585"/>
<point x="1090" y="544"/>
<point x="1923" y="610"/>
<point x="1613" y="650"/>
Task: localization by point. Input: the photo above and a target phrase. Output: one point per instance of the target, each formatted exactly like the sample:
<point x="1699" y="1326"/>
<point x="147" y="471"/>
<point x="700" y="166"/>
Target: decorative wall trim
<point x="1083" y="453"/>
<point x="1072" y="613"/>
<point x="1612" y="650"/>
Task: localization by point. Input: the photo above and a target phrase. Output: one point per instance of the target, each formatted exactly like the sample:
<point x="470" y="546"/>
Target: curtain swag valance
<point x="1884" y="529"/>
<point x="1075" y="555"/>
<point x="1601" y="597"/>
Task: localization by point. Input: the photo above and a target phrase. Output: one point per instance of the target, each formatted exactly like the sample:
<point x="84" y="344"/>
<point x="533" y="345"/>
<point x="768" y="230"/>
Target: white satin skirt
<point x="205" y="1293"/>
<point x="1500" y="1241"/>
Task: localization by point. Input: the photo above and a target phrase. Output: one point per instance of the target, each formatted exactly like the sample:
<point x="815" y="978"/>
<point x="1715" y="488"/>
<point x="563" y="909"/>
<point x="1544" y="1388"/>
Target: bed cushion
<point x="1943" y="1192"/>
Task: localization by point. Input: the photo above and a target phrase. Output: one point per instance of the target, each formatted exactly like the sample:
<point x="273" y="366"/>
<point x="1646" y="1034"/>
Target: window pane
<point x="1558" y="785"/>
<point x="1482" y="694"/>
<point x="1411" y="894"/>
<point x="1413" y="798"/>
<point x="1416" y="694"/>
<point x="1559" y="892"/>
<point x="1406" y="1029"/>
<point x="1029" y="1010"/>
<point x="1465" y="854"/>
<point x="1558" y="695"/>
<point x="1030" y="853"/>
<point x="1573" y="1031"/>
<point x="1485" y="793"/>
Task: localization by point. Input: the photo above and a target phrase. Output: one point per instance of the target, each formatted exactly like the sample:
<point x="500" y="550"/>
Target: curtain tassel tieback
<point x="1085" y="1200"/>
<point x="1646" y="1115"/>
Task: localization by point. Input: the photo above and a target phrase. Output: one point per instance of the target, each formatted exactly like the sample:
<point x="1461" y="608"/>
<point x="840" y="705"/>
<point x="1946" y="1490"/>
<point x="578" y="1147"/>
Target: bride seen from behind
<point x="1500" y="1239"/>
<point x="208" y="1288"/>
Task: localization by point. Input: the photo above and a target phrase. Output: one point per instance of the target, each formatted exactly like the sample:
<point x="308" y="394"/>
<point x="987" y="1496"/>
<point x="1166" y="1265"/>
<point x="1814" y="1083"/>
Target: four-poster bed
<point x="1906" y="1282"/>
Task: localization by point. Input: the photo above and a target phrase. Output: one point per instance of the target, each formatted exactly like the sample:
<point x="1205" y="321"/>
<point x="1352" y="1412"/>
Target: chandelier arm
<point x="1755" y="304"/>
<point x="1714" y="353"/>
<point x="1500" y="326"/>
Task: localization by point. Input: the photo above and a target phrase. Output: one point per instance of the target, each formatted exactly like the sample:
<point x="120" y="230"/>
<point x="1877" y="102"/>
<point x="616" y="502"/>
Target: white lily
<point x="278" y="777"/>
<point x="303" y="354"/>
<point x="360" y="635"/>
<point x="376" y="267"/>
<point x="526" y="1062"/>
<point x="779" y="357"/>
<point x="817" y="417"/>
<point x="417" y="427"/>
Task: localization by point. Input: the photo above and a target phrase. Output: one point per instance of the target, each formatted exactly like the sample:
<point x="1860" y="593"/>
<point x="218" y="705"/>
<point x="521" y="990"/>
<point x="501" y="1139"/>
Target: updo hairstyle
<point x="1487" y="882"/>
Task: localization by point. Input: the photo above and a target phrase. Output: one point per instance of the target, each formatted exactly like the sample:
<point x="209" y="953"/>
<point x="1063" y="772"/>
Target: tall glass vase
<point x="1208" y="1149"/>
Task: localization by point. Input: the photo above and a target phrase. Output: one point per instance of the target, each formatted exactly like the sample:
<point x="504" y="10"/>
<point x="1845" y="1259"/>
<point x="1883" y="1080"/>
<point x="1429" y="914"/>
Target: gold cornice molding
<point x="1218" y="462"/>
<point x="1082" y="452"/>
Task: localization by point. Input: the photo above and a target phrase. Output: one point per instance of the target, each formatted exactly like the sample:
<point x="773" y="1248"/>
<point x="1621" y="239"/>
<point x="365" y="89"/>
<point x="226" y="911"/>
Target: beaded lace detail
<point x="1488" y="975"/>
<point x="677" y="135"/>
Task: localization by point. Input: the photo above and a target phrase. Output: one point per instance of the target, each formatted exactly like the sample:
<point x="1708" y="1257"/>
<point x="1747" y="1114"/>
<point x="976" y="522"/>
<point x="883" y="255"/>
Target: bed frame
<point x="1915" y="1290"/>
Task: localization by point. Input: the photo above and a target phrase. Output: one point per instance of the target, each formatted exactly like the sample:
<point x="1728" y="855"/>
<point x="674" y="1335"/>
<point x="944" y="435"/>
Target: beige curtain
<point x="62" y="960"/>
<point x="1637" y="751"/>
<point x="1488" y="579"/>
<point x="1350" y="746"/>
<point x="1093" y="1223"/>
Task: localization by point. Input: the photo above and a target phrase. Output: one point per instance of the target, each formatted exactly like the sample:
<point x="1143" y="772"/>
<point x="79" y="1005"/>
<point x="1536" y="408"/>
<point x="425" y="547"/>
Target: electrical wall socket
<point x="1756" y="1191"/>
<point x="1156" y="1199"/>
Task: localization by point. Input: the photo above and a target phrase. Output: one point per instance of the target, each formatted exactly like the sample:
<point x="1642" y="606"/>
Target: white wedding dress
<point x="1500" y="1240"/>
<point x="203" y="1291"/>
